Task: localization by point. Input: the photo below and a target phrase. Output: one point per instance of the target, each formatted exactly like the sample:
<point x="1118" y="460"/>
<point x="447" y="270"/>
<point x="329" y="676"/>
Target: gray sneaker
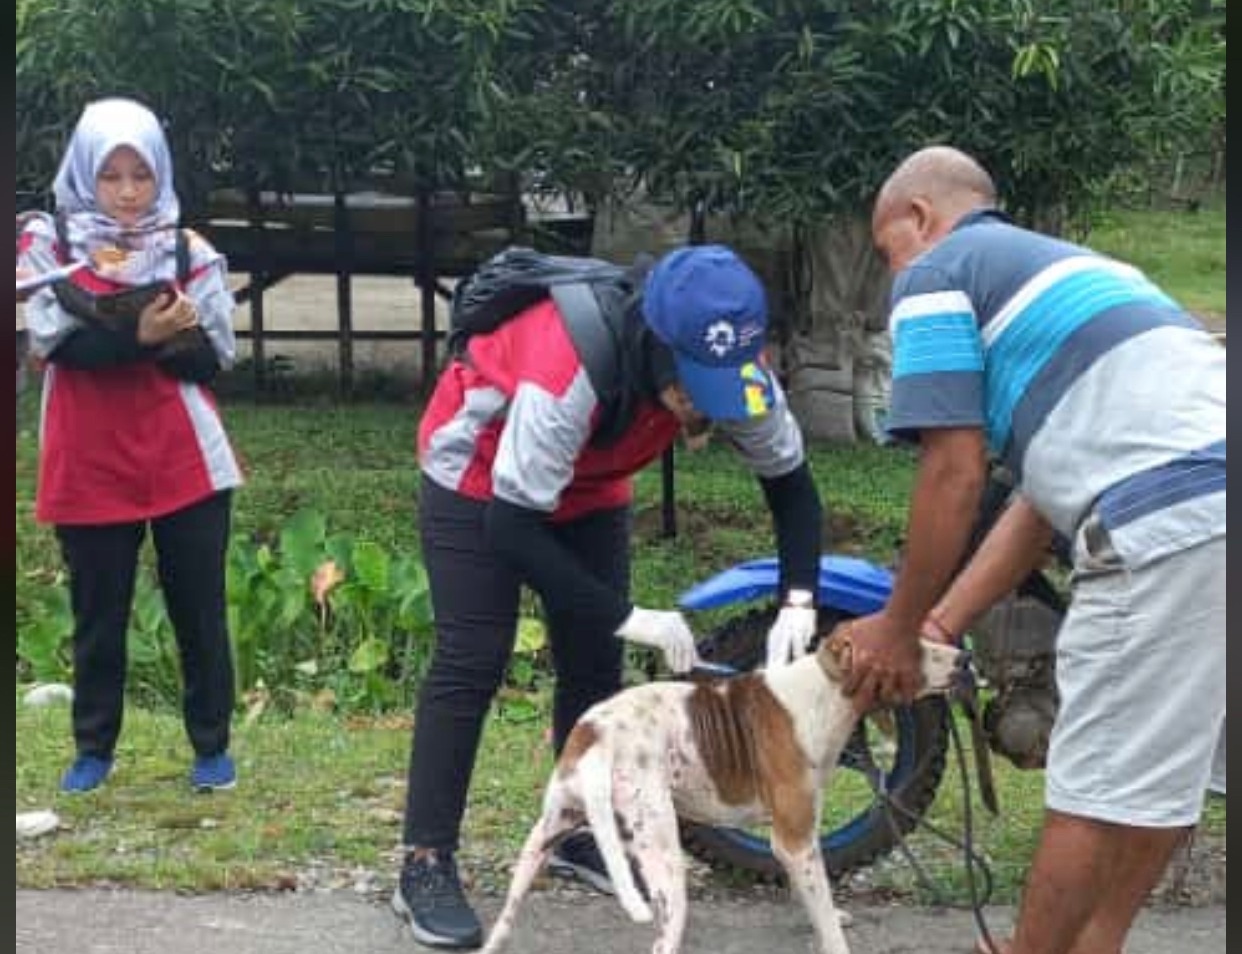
<point x="429" y="896"/>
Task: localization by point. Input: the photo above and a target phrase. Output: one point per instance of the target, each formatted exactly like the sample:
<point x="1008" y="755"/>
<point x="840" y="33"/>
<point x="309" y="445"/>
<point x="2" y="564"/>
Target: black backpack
<point x="595" y="299"/>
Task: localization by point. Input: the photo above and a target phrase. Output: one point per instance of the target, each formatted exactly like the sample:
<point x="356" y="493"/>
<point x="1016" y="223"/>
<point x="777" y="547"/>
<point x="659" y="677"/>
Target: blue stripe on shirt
<point x="948" y="399"/>
<point x="929" y="344"/>
<point x="1036" y="333"/>
<point x="1082" y="349"/>
<point x="1193" y="475"/>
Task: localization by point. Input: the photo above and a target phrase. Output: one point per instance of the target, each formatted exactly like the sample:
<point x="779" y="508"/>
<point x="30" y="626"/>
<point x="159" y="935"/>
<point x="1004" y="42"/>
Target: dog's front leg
<point x="804" y="865"/>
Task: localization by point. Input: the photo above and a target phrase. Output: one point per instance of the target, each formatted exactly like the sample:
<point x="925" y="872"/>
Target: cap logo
<point x="720" y="338"/>
<point x="756" y="390"/>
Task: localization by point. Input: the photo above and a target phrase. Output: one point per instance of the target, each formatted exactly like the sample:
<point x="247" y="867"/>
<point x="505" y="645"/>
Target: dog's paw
<point x="844" y="918"/>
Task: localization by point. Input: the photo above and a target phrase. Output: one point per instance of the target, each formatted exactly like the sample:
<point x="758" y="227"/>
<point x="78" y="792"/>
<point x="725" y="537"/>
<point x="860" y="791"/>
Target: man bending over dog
<point x="527" y="463"/>
<point x="1108" y="402"/>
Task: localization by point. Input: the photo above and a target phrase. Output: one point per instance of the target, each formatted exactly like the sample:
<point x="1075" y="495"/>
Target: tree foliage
<point x="792" y="110"/>
<point x="795" y="110"/>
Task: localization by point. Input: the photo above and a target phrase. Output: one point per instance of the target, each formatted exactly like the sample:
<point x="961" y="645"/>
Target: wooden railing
<point x="428" y="237"/>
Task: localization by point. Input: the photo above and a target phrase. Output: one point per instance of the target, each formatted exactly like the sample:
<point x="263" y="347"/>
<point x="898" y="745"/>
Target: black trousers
<point x="190" y="547"/>
<point x="474" y="596"/>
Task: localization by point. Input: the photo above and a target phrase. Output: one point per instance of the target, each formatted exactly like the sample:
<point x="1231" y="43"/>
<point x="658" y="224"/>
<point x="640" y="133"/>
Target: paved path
<point x="128" y="922"/>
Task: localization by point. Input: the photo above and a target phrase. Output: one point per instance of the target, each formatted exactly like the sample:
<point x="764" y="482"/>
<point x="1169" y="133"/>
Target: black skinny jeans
<point x="474" y="595"/>
<point x="190" y="547"/>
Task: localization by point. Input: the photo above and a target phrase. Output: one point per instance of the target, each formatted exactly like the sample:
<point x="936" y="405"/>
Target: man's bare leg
<point x="1087" y="883"/>
<point x="1140" y="858"/>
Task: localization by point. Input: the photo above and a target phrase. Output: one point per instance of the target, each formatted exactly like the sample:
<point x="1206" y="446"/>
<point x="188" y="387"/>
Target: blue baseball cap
<point x="710" y="309"/>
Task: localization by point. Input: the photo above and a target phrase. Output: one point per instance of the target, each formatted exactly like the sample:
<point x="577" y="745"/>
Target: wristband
<point x="934" y="629"/>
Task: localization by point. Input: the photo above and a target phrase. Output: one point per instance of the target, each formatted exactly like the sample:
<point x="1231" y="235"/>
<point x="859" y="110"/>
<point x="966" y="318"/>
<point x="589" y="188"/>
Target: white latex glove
<point x="790" y="636"/>
<point x="666" y="630"/>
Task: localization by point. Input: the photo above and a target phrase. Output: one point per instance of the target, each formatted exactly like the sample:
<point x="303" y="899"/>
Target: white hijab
<point x="104" y="126"/>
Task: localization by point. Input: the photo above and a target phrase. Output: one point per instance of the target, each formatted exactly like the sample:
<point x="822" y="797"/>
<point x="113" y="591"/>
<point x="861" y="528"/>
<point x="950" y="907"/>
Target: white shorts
<point x="1141" y="675"/>
<point x="1217" y="784"/>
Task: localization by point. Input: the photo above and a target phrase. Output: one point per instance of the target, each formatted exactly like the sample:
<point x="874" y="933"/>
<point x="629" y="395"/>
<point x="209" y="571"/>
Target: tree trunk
<point x="838" y="358"/>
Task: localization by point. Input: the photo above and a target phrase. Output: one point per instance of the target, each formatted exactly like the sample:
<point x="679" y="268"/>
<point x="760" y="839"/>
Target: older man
<point x="1107" y="400"/>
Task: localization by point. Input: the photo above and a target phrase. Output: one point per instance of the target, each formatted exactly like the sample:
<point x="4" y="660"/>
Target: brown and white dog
<point x="737" y="751"/>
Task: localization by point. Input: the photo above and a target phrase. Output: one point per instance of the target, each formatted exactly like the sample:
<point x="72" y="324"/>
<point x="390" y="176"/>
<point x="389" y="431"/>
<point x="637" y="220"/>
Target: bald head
<point x="924" y="198"/>
<point x="943" y="174"/>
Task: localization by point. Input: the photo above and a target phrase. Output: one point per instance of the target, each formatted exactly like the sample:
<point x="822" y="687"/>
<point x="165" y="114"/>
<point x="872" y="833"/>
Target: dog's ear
<point x="836" y="652"/>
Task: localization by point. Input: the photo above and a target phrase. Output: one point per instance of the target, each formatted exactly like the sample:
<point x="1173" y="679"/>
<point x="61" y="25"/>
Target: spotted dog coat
<point x="734" y="752"/>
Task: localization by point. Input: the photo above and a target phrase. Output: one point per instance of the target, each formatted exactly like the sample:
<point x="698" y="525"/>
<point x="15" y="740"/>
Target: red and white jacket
<point x="128" y="442"/>
<point x="513" y="418"/>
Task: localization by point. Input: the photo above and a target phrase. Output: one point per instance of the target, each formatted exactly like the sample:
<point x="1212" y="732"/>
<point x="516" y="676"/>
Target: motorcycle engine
<point x="1014" y="648"/>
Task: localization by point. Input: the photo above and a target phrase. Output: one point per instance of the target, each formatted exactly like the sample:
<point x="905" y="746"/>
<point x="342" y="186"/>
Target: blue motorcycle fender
<point x="848" y="584"/>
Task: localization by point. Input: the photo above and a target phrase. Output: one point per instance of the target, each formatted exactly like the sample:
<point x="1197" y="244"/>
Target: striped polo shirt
<point x="1093" y="386"/>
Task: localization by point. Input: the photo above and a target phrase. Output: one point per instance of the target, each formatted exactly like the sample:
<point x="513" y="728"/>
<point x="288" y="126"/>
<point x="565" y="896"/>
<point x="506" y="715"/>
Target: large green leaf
<point x="302" y="542"/>
<point x="368" y="656"/>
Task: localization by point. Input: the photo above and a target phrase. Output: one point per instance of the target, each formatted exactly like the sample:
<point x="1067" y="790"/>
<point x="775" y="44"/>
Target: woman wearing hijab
<point x="130" y="437"/>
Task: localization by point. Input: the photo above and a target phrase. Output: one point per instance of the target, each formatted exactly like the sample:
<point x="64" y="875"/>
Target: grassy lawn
<point x="319" y="792"/>
<point x="1183" y="252"/>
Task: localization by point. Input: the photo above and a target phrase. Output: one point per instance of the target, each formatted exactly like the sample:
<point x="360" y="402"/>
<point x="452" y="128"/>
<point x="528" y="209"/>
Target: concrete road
<point x="128" y="922"/>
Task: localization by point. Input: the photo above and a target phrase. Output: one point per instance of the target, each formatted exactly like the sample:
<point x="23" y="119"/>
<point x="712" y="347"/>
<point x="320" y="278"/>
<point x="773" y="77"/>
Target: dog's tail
<point x="595" y="772"/>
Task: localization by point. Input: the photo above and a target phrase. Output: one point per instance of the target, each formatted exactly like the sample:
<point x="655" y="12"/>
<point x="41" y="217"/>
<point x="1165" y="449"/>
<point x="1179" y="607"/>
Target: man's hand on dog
<point x="666" y="630"/>
<point x="885" y="663"/>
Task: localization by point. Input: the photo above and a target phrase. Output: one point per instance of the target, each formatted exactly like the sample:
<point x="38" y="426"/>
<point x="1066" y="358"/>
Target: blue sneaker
<point x="213" y="772"/>
<point x="86" y="773"/>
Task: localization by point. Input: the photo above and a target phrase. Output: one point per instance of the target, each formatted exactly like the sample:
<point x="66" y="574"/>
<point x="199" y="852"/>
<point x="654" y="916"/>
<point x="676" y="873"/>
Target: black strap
<point x="182" y="252"/>
<point x="593" y="337"/>
<point x="62" y="238"/>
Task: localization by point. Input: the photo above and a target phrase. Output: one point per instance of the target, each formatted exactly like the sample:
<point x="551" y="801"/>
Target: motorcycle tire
<point x="910" y="776"/>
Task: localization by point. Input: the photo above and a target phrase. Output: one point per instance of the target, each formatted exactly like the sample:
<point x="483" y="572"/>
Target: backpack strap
<point x="594" y="338"/>
<point x="182" y="253"/>
<point x="62" y="237"/>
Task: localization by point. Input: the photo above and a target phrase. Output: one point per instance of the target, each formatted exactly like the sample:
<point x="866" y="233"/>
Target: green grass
<point x="1183" y="252"/>
<point x="319" y="791"/>
<point x="314" y="789"/>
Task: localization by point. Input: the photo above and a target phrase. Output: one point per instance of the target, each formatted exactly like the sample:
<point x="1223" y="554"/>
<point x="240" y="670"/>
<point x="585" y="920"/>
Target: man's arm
<point x="885" y="649"/>
<point x="951" y="473"/>
<point x="1014" y="548"/>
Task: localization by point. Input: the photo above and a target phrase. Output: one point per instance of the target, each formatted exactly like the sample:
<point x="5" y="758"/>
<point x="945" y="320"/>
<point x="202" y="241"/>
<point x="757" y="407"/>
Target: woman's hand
<point x="165" y="318"/>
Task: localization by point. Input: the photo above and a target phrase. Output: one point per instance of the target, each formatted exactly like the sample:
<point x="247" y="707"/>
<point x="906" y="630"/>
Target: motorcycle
<point x="896" y="758"/>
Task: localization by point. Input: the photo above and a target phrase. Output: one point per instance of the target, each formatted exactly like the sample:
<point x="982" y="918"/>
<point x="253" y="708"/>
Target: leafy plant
<point x="42" y="641"/>
<point x="313" y="617"/>
<point x="329" y="612"/>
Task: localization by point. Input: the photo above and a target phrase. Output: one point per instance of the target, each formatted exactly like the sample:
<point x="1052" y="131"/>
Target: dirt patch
<point x="698" y="524"/>
<point x="1198" y="874"/>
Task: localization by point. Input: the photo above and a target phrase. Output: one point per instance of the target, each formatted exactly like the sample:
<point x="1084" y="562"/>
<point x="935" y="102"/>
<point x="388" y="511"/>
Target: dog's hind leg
<point x="804" y="865"/>
<point x="533" y="857"/>
<point x="657" y="852"/>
